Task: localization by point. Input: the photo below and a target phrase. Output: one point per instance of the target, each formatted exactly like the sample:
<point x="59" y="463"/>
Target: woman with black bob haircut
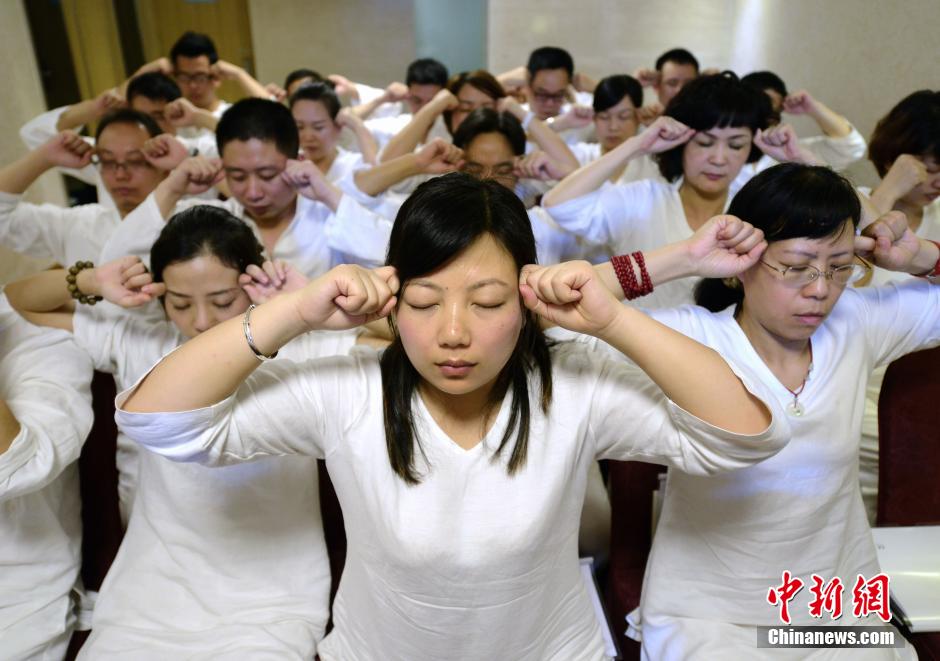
<point x="197" y="572"/>
<point x="458" y="543"/>
<point x="710" y="129"/>
<point x="616" y="101"/>
<point x="723" y="541"/>
<point x="320" y="120"/>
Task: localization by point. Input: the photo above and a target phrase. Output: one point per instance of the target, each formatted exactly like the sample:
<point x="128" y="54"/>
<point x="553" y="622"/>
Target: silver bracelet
<point x="246" y="326"/>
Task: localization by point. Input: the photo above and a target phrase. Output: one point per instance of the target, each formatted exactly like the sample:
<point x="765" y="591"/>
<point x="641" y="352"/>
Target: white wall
<point x="22" y="100"/>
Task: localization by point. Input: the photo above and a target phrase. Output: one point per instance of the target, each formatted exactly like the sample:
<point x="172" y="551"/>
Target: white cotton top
<point x="723" y="541"/>
<point x="470" y="563"/>
<point x="194" y="132"/>
<point x="929" y="229"/>
<point x="623" y="218"/>
<point x="48" y="231"/>
<point x="44" y="379"/>
<point x="638" y="168"/>
<point x="385" y="128"/>
<point x="554" y="245"/>
<point x="216" y="563"/>
<point x="576" y="135"/>
<point x="838" y="153"/>
<point x="316" y="240"/>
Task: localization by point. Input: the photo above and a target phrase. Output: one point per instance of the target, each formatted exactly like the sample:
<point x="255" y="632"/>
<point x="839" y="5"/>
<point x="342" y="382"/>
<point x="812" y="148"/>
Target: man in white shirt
<point x="674" y="69"/>
<point x="258" y="142"/>
<point x="79" y="233"/>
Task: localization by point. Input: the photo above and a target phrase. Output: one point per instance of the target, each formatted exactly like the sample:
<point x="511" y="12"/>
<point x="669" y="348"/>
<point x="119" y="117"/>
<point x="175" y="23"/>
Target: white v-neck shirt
<point x="471" y="563"/>
<point x="44" y="380"/>
<point x="723" y="541"/>
<point x="215" y="563"/>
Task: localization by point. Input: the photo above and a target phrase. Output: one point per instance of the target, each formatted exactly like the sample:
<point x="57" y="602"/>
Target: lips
<point x="455" y="368"/>
<point x="811" y="318"/>
<point x="711" y="176"/>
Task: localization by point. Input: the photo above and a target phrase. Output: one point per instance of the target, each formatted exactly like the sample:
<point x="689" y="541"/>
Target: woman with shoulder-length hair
<point x="460" y="454"/>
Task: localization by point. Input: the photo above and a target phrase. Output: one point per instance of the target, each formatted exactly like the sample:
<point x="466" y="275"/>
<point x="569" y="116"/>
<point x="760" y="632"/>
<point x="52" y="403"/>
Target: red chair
<point x="909" y="454"/>
<point x="631" y="485"/>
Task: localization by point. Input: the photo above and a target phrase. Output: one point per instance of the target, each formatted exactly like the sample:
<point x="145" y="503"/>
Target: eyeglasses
<point x="545" y="97"/>
<point x="800" y="276"/>
<point x="130" y="166"/>
<point x="196" y="78"/>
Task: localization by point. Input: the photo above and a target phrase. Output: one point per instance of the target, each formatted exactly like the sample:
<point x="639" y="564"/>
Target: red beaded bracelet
<point x="936" y="267"/>
<point x="623" y="268"/>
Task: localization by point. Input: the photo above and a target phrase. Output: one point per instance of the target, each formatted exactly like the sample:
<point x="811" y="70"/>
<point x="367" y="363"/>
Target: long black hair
<point x="441" y="219"/>
<point x="786" y="201"/>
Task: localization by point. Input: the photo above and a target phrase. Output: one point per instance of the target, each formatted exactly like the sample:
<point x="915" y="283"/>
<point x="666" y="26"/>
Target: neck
<point x="914" y="213"/>
<point x="467" y="416"/>
<point x="700" y="206"/>
<point x="325" y="163"/>
<point x="787" y="359"/>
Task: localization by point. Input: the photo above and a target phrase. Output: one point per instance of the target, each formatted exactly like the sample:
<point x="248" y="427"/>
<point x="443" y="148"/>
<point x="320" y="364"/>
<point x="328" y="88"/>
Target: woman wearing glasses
<point x="710" y="130"/>
<point x="723" y="542"/>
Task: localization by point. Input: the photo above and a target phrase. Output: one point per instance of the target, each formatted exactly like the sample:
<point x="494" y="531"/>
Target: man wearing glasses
<point x="67" y="235"/>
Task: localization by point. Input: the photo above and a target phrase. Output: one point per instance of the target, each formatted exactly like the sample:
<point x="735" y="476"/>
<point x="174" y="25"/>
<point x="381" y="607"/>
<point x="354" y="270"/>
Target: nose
<point x="453" y="331"/>
<point x="253" y="189"/>
<point x="719" y="154"/>
<point x="204" y="319"/>
<point x="818" y="288"/>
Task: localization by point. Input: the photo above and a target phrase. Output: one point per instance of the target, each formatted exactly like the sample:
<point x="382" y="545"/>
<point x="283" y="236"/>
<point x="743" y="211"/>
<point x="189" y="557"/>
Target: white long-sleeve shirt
<point x="723" y="541"/>
<point x="316" y="240"/>
<point x="623" y="218"/>
<point x="215" y="563"/>
<point x="638" y="168"/>
<point x="48" y="231"/>
<point x="471" y="563"/>
<point x="44" y="379"/>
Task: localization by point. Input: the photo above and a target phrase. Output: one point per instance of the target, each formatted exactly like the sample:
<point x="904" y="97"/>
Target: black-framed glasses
<point x="800" y="276"/>
<point x="197" y="78"/>
<point x="546" y="97"/>
<point x="130" y="166"/>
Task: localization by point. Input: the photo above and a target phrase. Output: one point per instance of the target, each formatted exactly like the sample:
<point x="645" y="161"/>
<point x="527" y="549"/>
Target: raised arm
<point x="436" y="157"/>
<point x="368" y="146"/>
<point x="394" y="93"/>
<point x="906" y="173"/>
<point x="87" y="112"/>
<point x="66" y="149"/>
<point x="664" y="134"/>
<point x="211" y="366"/>
<point x="829" y="121"/>
<point x="693" y="376"/>
<point x="540" y="133"/>
<point x="251" y="87"/>
<point x="408" y="139"/>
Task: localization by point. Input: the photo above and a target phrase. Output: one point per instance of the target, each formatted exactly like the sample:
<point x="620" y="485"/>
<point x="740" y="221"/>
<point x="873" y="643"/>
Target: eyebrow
<point x="473" y="287"/>
<point x="813" y="255"/>
<point x="214" y="293"/>
<point x="711" y="135"/>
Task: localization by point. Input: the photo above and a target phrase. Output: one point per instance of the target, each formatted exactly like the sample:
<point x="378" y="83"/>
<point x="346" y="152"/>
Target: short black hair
<point x="263" y="119"/>
<point x="317" y="92"/>
<point x="549" y="57"/>
<point x="194" y="44"/>
<point x="786" y="201"/>
<point x="205" y="230"/>
<point x="487" y="120"/>
<point x="718" y="101"/>
<point x="300" y="74"/>
<point x="128" y="116"/>
<point x="611" y="90"/>
<point x="426" y="71"/>
<point x="677" y="55"/>
<point x="766" y="80"/>
<point x="155" y="86"/>
<point x="911" y="127"/>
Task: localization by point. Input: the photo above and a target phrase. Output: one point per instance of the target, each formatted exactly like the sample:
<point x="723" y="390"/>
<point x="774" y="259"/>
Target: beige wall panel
<point x="367" y="41"/>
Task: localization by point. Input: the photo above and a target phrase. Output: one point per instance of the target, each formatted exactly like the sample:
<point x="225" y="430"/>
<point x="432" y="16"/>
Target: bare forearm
<point x="47" y="290"/>
<point x="16" y="177"/>
<point x="552" y="143"/>
<point x="368" y="146"/>
<point x="693" y="376"/>
<point x="77" y="115"/>
<point x="378" y="179"/>
<point x="665" y="264"/>
<point x="9" y="427"/>
<point x="413" y="134"/>
<point x="211" y="366"/>
<point x="830" y="122"/>
<point x="591" y="176"/>
<point x="249" y="85"/>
